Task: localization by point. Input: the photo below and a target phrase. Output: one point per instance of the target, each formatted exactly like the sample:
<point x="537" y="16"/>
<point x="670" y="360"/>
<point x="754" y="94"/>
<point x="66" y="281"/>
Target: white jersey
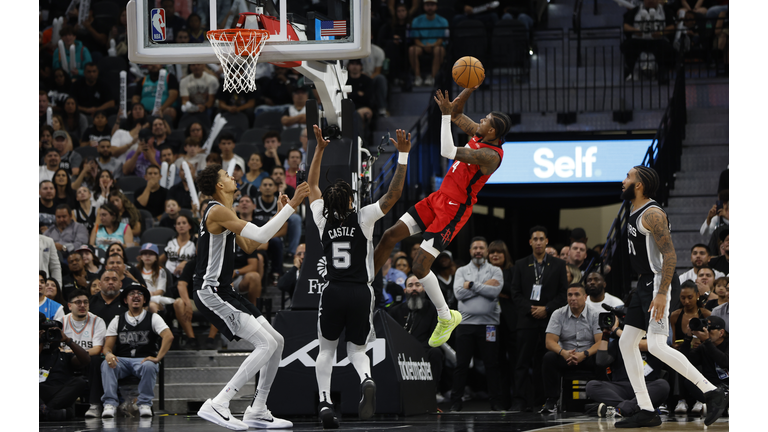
<point x="87" y="333"/>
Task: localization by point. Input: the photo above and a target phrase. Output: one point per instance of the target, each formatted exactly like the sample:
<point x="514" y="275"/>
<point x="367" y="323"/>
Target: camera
<point x="52" y="331"/>
<point x="332" y="132"/>
<point x="698" y="324"/>
<point x="301" y="175"/>
<point x="606" y="320"/>
<point x="702" y="300"/>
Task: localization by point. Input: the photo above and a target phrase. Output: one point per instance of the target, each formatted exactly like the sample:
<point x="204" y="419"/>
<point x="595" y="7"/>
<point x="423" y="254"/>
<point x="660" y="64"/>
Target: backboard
<point x="300" y="30"/>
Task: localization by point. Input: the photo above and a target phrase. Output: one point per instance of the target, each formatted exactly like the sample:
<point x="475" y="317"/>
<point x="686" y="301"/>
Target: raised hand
<point x="302" y="191"/>
<point x="403" y="143"/>
<point x="445" y="104"/>
<point x="321" y="142"/>
<point x="282" y="200"/>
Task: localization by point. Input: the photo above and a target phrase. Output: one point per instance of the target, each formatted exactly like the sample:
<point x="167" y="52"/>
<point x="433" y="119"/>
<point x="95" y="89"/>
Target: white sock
<point x="657" y="345"/>
<point x="432" y="287"/>
<point x="360" y="360"/>
<point x="629" y="343"/>
<point x="268" y="372"/>
<point x="264" y="346"/>
<point x="324" y="367"/>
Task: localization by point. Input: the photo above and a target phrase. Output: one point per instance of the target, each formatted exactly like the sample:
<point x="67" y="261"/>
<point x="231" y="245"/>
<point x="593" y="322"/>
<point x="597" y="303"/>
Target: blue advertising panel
<point x="598" y="161"/>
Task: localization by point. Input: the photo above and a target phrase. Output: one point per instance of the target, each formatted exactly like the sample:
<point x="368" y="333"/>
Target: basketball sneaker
<point x="109" y="411"/>
<point x="444" y="328"/>
<point x="264" y="419"/>
<point x="94" y="411"/>
<point x="682" y="407"/>
<point x="642" y="418"/>
<point x="220" y="415"/>
<point x="717" y="400"/>
<point x="367" y="406"/>
<point x="697" y="407"/>
<point x="606" y="411"/>
<point x="327" y="416"/>
<point x="145" y="411"/>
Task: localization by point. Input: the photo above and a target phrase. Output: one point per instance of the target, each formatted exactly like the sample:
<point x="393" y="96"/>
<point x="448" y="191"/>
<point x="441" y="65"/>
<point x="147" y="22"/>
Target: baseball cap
<point x="716" y="323"/>
<point x="149" y="247"/>
<point x="300" y="89"/>
<point x="446" y="252"/>
<point x="85" y="247"/>
<point x="60" y="134"/>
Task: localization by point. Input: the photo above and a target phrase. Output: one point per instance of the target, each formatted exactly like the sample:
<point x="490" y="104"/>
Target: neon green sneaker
<point x="444" y="328"/>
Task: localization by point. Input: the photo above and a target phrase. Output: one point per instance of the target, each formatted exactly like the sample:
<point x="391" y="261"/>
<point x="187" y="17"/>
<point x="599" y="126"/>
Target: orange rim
<point x="230" y="34"/>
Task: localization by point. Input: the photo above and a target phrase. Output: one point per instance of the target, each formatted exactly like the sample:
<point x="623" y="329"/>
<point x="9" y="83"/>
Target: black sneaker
<point x="717" y="400"/>
<point x="367" y="406"/>
<point x="457" y="406"/>
<point x="549" y="407"/>
<point x="327" y="416"/>
<point x="642" y="419"/>
<point x="210" y="343"/>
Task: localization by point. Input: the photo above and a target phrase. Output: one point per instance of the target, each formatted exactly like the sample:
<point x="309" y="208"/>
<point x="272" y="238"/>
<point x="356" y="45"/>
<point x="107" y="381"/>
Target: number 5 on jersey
<point x="341" y="256"/>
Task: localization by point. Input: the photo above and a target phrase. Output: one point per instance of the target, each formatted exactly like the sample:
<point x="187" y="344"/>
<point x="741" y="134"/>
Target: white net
<point x="238" y="51"/>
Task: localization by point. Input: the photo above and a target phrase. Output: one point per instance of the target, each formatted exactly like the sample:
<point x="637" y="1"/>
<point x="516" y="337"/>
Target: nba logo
<point x="158" y="25"/>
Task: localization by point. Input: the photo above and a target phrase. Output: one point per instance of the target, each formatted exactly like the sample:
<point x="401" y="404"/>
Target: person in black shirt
<point x="152" y="198"/>
<point x="362" y="90"/>
<point x="58" y="387"/>
<point x="710" y="356"/>
<point x="105" y="304"/>
<point x="265" y="207"/>
<point x="180" y="192"/>
<point x="658" y="44"/>
<point x="93" y="94"/>
<point x="47" y="212"/>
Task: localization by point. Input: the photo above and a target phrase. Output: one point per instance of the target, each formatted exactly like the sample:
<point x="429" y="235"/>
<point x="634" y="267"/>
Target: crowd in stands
<point x="118" y="220"/>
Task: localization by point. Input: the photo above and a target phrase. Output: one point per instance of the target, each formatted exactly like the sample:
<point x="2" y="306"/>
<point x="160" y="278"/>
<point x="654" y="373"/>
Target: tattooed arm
<point x="488" y="159"/>
<point x="457" y="113"/>
<point x="403" y="145"/>
<point x="656" y="222"/>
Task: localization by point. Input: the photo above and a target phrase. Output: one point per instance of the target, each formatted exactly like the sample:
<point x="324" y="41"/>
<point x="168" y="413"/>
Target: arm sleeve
<point x="268" y="230"/>
<point x="317" y="215"/>
<point x="447" y="149"/>
<point x="368" y="217"/>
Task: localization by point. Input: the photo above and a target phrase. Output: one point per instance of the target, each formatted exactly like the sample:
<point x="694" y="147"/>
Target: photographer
<point x="615" y="397"/>
<point x="710" y="355"/>
<point x="58" y="387"/>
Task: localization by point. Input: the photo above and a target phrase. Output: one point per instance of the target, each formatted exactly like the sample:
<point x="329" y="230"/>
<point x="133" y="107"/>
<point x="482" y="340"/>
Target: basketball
<point x="468" y="72"/>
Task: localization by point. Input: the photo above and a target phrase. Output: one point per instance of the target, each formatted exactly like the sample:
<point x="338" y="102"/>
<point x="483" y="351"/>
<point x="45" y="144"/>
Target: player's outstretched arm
<point x="403" y="145"/>
<point x="313" y="177"/>
<point x="447" y="149"/>
<point x="457" y="114"/>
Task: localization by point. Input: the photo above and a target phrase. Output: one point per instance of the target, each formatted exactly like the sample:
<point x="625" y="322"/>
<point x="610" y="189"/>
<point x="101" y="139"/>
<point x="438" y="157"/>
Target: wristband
<point x="561" y="351"/>
<point x="402" y="158"/>
<point x="586" y="354"/>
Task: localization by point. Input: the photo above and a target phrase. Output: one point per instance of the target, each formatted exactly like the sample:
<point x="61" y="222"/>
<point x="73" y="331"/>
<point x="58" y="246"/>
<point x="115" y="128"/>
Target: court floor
<point x="482" y="421"/>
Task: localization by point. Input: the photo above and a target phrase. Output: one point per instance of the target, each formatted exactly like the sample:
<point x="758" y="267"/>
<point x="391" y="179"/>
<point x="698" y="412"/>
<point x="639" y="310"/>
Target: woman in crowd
<point x="403" y="264"/>
<point x="106" y="183"/>
<point x="60" y="88"/>
<point x="53" y="292"/>
<point x="136" y="120"/>
<point x="64" y="193"/>
<point x="197" y="131"/>
<point x="90" y="262"/>
<point x="181" y="248"/>
<point x="110" y="229"/>
<point x="126" y="211"/>
<point x="85" y="209"/>
<point x="75" y="122"/>
<point x="156" y="277"/>
<point x="94" y="287"/>
<point x="255" y="174"/>
<point x="498" y="255"/>
<point x="573" y="274"/>
<point x="168" y="219"/>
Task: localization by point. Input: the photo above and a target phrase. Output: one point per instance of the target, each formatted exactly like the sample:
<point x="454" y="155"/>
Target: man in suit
<point x="539" y="286"/>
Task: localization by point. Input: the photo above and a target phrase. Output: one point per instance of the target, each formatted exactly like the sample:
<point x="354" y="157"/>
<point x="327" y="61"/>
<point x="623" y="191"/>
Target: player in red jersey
<point x="443" y="213"/>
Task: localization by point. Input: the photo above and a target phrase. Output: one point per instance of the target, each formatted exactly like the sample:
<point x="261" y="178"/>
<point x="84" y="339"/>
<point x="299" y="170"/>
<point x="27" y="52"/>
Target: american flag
<point x="333" y="28"/>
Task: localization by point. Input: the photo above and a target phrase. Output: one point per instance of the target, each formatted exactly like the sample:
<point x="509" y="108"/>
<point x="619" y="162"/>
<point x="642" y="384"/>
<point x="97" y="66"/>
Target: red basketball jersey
<point x="463" y="181"/>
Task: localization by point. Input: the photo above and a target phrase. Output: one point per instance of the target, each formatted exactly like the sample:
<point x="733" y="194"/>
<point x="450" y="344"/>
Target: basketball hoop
<point x="238" y="51"/>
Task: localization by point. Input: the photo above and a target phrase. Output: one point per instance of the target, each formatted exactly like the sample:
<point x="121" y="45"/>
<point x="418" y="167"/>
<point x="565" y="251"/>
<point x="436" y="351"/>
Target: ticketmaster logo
<point x="414" y="370"/>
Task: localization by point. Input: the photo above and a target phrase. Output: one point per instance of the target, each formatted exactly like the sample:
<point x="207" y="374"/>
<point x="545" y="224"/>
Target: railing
<point x="663" y="155"/>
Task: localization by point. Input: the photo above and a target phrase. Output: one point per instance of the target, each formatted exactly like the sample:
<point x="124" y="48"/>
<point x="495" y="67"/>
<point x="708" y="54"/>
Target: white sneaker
<point x="429" y="81"/>
<point x="439" y="398"/>
<point x="109" y="411"/>
<point x="145" y="411"/>
<point x="94" y="411"/>
<point x="682" y="407"/>
<point x="264" y="419"/>
<point x="220" y="415"/>
<point x="697" y="408"/>
<point x="417" y="81"/>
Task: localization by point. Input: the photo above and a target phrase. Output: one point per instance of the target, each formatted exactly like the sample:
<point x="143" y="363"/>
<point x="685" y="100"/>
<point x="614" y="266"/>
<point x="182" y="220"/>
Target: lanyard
<point x="536" y="271"/>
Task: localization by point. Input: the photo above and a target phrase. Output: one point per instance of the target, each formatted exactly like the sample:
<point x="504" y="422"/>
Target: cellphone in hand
<point x="719" y="205"/>
<point x="301" y="176"/>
